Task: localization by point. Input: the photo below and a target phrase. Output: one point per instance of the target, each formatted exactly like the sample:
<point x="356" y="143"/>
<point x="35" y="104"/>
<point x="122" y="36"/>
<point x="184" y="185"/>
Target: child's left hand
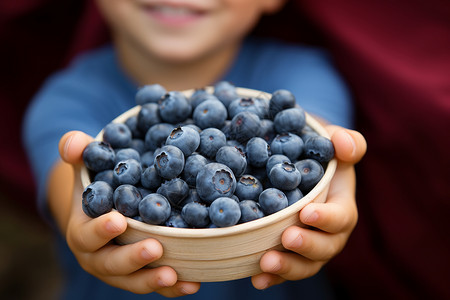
<point x="331" y="223"/>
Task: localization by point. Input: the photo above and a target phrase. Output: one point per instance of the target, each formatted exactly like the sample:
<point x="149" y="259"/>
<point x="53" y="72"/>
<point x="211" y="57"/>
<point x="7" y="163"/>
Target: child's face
<point x="182" y="30"/>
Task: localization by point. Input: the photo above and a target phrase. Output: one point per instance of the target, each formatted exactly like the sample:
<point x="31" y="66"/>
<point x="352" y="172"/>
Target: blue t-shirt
<point x="94" y="90"/>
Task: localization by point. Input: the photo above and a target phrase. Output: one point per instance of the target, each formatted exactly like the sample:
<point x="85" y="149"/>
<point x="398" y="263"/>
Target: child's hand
<point x="91" y="241"/>
<point x="333" y="221"/>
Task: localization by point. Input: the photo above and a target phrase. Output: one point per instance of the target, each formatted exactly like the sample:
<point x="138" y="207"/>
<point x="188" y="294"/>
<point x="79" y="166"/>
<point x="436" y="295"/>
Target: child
<point x="182" y="45"/>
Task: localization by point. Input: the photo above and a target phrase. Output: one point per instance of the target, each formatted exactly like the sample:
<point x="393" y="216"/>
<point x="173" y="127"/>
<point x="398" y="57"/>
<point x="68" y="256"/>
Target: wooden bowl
<point x="221" y="254"/>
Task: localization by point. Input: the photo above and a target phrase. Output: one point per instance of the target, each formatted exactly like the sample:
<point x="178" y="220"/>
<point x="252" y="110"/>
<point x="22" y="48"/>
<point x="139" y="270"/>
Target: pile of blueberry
<point x="213" y="159"/>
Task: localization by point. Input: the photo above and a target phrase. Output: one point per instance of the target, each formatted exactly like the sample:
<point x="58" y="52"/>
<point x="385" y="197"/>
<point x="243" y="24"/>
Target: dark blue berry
<point x="285" y="176"/>
<point x="250" y="104"/>
<point x="287" y="144"/>
<point x="225" y="92"/>
<point x="232" y="157"/>
<point x="150" y="178"/>
<point x="244" y="126"/>
<point x="258" y="152"/>
<point x="176" y="220"/>
<point x="290" y="120"/>
<point x="126" y="200"/>
<point x="154" y="209"/>
<point x="224" y="212"/>
<point x="175" y="190"/>
<point x="185" y="138"/>
<point x="127" y="153"/>
<point x="311" y="171"/>
<point x="276" y="159"/>
<point x="150" y="93"/>
<point x="250" y="210"/>
<point x="127" y="172"/>
<point x="280" y="100"/>
<point x="195" y="214"/>
<point x="157" y="135"/>
<point x="148" y="116"/>
<point x="106" y="176"/>
<point x="118" y="135"/>
<point x="272" y="200"/>
<point x="169" y="161"/>
<point x="211" y="140"/>
<point x="215" y="180"/>
<point x="248" y="187"/>
<point x="210" y="113"/>
<point x="174" y="107"/>
<point x="319" y="148"/>
<point x="193" y="164"/>
<point x="97" y="199"/>
<point x="293" y="195"/>
<point x="98" y="156"/>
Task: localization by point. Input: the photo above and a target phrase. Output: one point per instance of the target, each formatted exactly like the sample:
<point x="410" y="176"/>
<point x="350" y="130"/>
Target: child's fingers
<point x="329" y="217"/>
<point x="145" y="280"/>
<point x="181" y="288"/>
<point x="350" y="145"/>
<point x="313" y="244"/>
<point x="265" y="280"/>
<point x="289" y="265"/>
<point x="89" y="235"/>
<point x="114" y="260"/>
<point x="71" y="146"/>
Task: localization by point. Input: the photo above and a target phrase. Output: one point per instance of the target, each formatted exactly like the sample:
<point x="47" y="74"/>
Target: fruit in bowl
<point x="215" y="175"/>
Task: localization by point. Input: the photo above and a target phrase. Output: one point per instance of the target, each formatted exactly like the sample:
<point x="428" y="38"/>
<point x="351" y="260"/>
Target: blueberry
<point x="157" y="135"/>
<point x="224" y="212"/>
<point x="132" y="124"/>
<point x="307" y="132"/>
<point x="258" y="152"/>
<point x="118" y="135"/>
<point x="248" y="187"/>
<point x="215" y="180"/>
<point x="126" y="200"/>
<point x="267" y="131"/>
<point x="288" y="144"/>
<point x="154" y="209"/>
<point x="293" y="195"/>
<point x="97" y="199"/>
<point x="244" y="126"/>
<point x="144" y="191"/>
<point x="311" y="171"/>
<point x="127" y="172"/>
<point x="275" y="159"/>
<point x="127" y="153"/>
<point x="319" y="148"/>
<point x="193" y="164"/>
<point x="280" y="100"/>
<point x="191" y="197"/>
<point x="290" y="120"/>
<point x="272" y="200"/>
<point x="175" y="190"/>
<point x="138" y="145"/>
<point x="176" y="220"/>
<point x="249" y="104"/>
<point x="200" y="95"/>
<point x="169" y="161"/>
<point x="106" y="176"/>
<point x="211" y="140"/>
<point x="195" y="214"/>
<point x="150" y="178"/>
<point x="147" y="159"/>
<point x="210" y="113"/>
<point x="185" y="138"/>
<point x="150" y="93"/>
<point x="285" y="176"/>
<point x="148" y="116"/>
<point x="250" y="210"/>
<point x="174" y="107"/>
<point x="232" y="157"/>
<point x="98" y="156"/>
<point x="225" y="92"/>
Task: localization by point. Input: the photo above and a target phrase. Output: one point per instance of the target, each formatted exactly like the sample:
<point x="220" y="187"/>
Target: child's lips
<point x="174" y="15"/>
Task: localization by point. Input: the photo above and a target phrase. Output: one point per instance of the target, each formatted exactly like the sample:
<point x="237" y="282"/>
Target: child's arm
<point x="333" y="221"/>
<point x="90" y="239"/>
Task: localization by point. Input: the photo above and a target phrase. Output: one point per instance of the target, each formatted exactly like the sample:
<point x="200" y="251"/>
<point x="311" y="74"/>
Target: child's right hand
<point x="91" y="240"/>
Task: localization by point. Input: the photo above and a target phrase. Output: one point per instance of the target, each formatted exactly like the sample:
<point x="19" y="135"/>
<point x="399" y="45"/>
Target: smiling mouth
<point x="174" y="14"/>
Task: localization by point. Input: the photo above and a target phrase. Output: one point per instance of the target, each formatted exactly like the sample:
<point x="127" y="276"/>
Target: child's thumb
<point x="71" y="146"/>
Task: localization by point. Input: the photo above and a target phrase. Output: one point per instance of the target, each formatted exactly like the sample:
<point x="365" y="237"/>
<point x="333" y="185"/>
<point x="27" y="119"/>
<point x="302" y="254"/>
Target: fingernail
<point x="350" y="140"/>
<point x="312" y="217"/>
<point x="162" y="283"/>
<point x="67" y="145"/>
<point x="294" y="240"/>
<point x="146" y="254"/>
<point x="111" y="226"/>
